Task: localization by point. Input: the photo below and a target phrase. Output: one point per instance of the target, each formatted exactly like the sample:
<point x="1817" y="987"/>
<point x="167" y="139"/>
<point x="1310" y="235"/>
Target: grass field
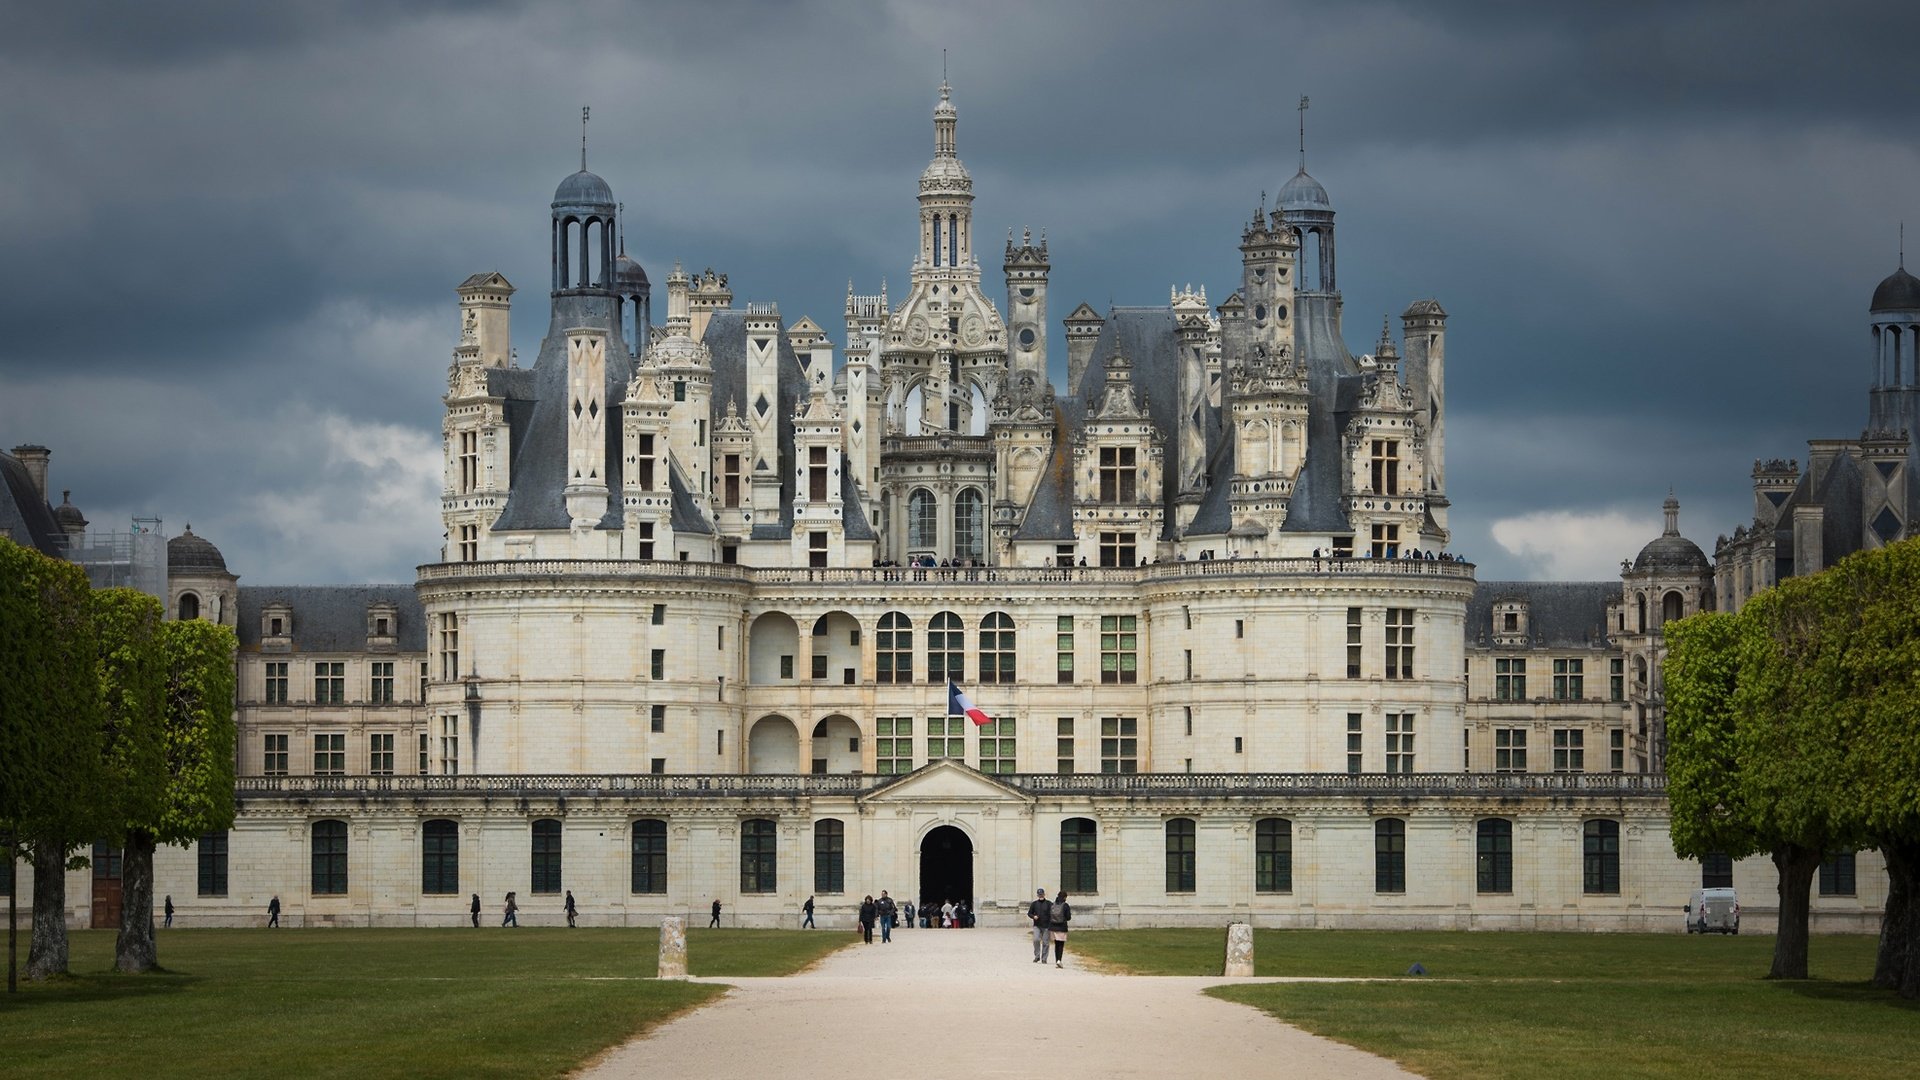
<point x="369" y="1003"/>
<point x="1572" y="1006"/>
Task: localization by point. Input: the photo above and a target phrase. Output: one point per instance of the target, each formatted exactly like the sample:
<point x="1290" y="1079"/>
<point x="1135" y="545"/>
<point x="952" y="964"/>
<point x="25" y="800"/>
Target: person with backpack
<point x="1058" y="916"/>
<point x="1038" y="913"/>
<point x="510" y="915"/>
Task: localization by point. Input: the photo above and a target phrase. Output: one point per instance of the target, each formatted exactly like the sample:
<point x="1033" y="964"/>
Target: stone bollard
<point x="1239" y="951"/>
<point x="673" y="948"/>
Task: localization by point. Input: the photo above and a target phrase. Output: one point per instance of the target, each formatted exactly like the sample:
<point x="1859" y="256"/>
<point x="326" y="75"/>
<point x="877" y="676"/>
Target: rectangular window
<point x="946" y="737"/>
<point x="450" y="746"/>
<point x="276" y="682"/>
<point x="423" y="682"/>
<point x="679" y="389"/>
<point x="657" y="766"/>
<point x="423" y="753"/>
<point x="1239" y="628"/>
<point x="1716" y="871"/>
<point x="1569" y="680"/>
<point x="1390" y="856"/>
<point x="1189" y="655"/>
<point x="1063" y="746"/>
<point x="730" y="485"/>
<point x="1116" y="549"/>
<point x="657" y="721"/>
<point x="1117" y="475"/>
<point x="1181" y="844"/>
<point x="1119" y="644"/>
<point x="449" y="647"/>
<point x="469" y="461"/>
<point x="1569" y="750"/>
<point x="1119" y="744"/>
<point x="646" y="540"/>
<point x="817" y="550"/>
<point x="380" y="682"/>
<point x="1399" y="742"/>
<point x="1079" y="857"/>
<point x="649" y="860"/>
<point x="1343" y="547"/>
<point x="546" y="856"/>
<point x="1386" y="466"/>
<point x="1509" y="679"/>
<point x="329" y="682"/>
<point x="1356" y="753"/>
<point x="786" y="666"/>
<point x="893" y="745"/>
<point x="1063" y="554"/>
<point x="329" y="858"/>
<point x="997" y="746"/>
<point x="1617" y="679"/>
<point x="817" y="473"/>
<point x="1063" y="649"/>
<point x="1836" y="875"/>
<point x="1616" y="751"/>
<point x="643" y="472"/>
<point x="274" y="756"/>
<point x="1600" y="847"/>
<point x="829" y="856"/>
<point x="212" y="855"/>
<point x="1386" y="542"/>
<point x="380" y="754"/>
<point x="1510" y="750"/>
<point x="1353" y="643"/>
<point x="658" y="616"/>
<point x="1493" y="856"/>
<point x="657" y="665"/>
<point x="1273" y="855"/>
<point x="1466" y="750"/>
<point x="1399" y="643"/>
<point x="469" y="543"/>
<point x="759" y="856"/>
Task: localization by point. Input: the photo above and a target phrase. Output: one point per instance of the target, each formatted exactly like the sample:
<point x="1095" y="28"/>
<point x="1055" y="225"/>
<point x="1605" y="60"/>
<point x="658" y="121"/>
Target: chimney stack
<point x="35" y="459"/>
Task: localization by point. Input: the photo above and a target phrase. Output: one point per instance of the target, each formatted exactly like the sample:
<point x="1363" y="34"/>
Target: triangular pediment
<point x="946" y="781"/>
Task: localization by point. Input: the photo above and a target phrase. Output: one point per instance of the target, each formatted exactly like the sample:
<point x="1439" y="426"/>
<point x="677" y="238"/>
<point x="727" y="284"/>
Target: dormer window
<point x="383" y="620"/>
<point x="1510" y="623"/>
<point x="1118" y="474"/>
<point x="276" y="626"/>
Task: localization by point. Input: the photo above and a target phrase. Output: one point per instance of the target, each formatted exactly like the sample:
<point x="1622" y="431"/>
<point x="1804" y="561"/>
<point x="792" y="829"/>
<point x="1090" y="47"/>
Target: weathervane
<point x="1303" y="133"/>
<point x="585" y="112"/>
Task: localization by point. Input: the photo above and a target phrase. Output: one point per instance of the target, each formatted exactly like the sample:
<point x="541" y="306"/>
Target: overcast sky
<point x="230" y="233"/>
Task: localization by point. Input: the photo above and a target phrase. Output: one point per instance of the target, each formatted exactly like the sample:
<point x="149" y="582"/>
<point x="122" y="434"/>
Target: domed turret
<point x="1303" y="192"/>
<point x="190" y="554"/>
<point x="1900" y="291"/>
<point x="583" y="192"/>
<point x="1671" y="552"/>
<point x="68" y="516"/>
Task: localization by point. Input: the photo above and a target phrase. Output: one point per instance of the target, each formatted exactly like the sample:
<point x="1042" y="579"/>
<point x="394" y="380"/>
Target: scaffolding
<point x="135" y="558"/>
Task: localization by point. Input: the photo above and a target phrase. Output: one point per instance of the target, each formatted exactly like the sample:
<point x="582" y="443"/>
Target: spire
<point x="620" y="212"/>
<point x="945" y="116"/>
<point x="585" y="112"/>
<point x="1672" y="508"/>
<point x="1303" y="133"/>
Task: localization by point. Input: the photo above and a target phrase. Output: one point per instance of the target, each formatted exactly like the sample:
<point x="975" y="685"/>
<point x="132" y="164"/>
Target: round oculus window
<point x="1259" y="313"/>
<point x="1026" y="338"/>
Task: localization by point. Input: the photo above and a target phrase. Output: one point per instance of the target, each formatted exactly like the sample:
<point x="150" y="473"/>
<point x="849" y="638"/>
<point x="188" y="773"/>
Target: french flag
<point x="958" y="704"/>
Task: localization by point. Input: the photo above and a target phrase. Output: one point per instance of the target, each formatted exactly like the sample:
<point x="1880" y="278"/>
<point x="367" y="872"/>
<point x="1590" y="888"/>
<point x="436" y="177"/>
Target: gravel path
<point x="972" y="1004"/>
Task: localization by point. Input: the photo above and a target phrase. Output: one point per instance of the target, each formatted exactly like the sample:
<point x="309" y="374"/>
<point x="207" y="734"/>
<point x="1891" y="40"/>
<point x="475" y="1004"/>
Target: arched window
<point x="189" y="606"/>
<point x="546" y="856"/>
<point x="829" y="856"/>
<point x="1079" y="864"/>
<point x="650" y="856"/>
<point x="1180" y="855"/>
<point x="996" y="648"/>
<point x="329" y="858"/>
<point x="759" y="857"/>
<point x="1273" y="855"/>
<point x="946" y="649"/>
<point x="1640" y="671"/>
<point x="923" y="520"/>
<point x="1640" y="604"/>
<point x="1493" y="856"/>
<point x="440" y="857"/>
<point x="1672" y="607"/>
<point x="969" y="525"/>
<point x="1390" y="856"/>
<point x="1601" y="856"/>
<point x="893" y="649"/>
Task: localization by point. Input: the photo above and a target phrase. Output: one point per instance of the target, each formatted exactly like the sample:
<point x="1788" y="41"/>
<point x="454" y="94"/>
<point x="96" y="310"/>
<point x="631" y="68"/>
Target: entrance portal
<point x="946" y="867"/>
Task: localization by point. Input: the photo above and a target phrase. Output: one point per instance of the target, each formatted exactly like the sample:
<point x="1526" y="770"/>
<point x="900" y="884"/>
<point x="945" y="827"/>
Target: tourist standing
<point x="168" y="925"/>
<point x="946" y="914"/>
<point x="1037" y="915"/>
<point x="1058" y="916"/>
<point x="572" y="911"/>
<point x="884" y="907"/>
<point x="867" y="913"/>
<point x="715" y="921"/>
<point x="273" y="912"/>
<point x="907" y="911"/>
<point x="807" y="923"/>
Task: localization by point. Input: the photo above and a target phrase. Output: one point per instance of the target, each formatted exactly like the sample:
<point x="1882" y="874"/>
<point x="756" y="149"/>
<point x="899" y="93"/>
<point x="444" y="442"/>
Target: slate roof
<point x="333" y="618"/>
<point x="537" y="418"/>
<point x="1839" y="496"/>
<point x="23" y="513"/>
<point x="726" y="341"/>
<point x="1560" y="614"/>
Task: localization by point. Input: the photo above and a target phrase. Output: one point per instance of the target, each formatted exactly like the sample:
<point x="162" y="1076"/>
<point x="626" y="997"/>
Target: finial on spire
<point x="1672" y="509"/>
<point x="1903" y="245"/>
<point x="1303" y="133"/>
<point x="620" y="211"/>
<point x="585" y="111"/>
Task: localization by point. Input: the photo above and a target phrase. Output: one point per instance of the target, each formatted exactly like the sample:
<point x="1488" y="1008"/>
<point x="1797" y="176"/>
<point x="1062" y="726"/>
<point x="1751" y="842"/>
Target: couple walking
<point x="1049" y="924"/>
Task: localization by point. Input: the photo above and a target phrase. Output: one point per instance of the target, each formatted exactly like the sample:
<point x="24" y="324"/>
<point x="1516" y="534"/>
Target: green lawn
<point x="1499" y="1005"/>
<point x="367" y="1003"/>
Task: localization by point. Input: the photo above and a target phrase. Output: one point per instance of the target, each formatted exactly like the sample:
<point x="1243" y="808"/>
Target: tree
<point x="1705" y="799"/>
<point x="132" y="672"/>
<point x="50" y="776"/>
<point x="199" y="740"/>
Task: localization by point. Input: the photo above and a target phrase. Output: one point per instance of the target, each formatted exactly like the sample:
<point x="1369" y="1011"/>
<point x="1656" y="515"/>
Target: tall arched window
<point x="1672" y="607"/>
<point x="893" y="649"/>
<point x="1079" y="862"/>
<point x="923" y="520"/>
<point x="1390" y="856"/>
<point x="440" y="857"/>
<point x="1273" y="855"/>
<point x="996" y="648"/>
<point x="829" y="856"/>
<point x="1180" y="855"/>
<point x="1600" y="851"/>
<point x="759" y="857"/>
<point x="1640" y="605"/>
<point x="329" y="858"/>
<point x="650" y="856"/>
<point x="969" y="525"/>
<point x="1493" y="856"/>
<point x="189" y="606"/>
<point x="946" y="648"/>
<point x="546" y="856"/>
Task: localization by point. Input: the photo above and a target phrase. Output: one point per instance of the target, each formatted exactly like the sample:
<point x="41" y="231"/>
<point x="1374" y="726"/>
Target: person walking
<point x="273" y="912"/>
<point x="906" y="912"/>
<point x="946" y="914"/>
<point x="884" y="907"/>
<point x="1058" y="916"/>
<point x="866" y="919"/>
<point x="715" y="921"/>
<point x="511" y="917"/>
<point x="168" y="924"/>
<point x="474" y="910"/>
<point x="807" y="923"/>
<point x="572" y="912"/>
<point x="1037" y="914"/>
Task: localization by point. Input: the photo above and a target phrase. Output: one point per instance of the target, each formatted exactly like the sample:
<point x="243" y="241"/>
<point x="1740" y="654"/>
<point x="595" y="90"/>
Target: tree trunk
<point x="134" y="951"/>
<point x="47" y="955"/>
<point x="1796" y="865"/>
<point x="13" y="916"/>
<point x="1896" y="926"/>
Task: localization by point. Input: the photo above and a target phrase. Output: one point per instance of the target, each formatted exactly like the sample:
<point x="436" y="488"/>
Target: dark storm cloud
<point x="229" y="232"/>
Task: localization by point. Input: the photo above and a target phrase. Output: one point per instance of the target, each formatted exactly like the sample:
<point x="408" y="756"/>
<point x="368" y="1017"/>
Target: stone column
<point x="673" y="947"/>
<point x="1239" y="951"/>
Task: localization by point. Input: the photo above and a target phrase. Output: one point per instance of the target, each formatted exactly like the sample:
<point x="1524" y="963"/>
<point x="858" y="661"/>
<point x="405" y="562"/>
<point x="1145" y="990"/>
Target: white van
<point x="1713" y="911"/>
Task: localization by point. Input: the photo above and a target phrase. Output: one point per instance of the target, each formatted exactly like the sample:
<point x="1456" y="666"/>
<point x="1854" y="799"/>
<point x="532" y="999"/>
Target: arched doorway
<point x="946" y="866"/>
<point x="773" y="747"/>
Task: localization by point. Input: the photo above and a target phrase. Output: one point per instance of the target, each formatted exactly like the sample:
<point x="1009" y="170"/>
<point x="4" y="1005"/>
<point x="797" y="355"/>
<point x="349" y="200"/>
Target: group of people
<point x="1049" y="921"/>
<point x="882" y="911"/>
